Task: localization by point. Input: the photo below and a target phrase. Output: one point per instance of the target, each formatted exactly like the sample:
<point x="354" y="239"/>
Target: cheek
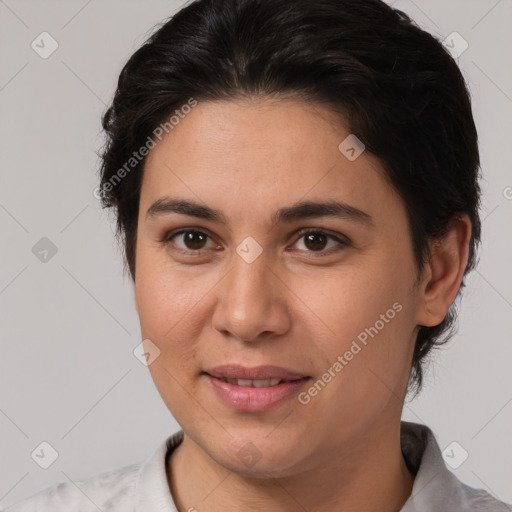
<point x="368" y="322"/>
<point x="351" y="301"/>
<point x="166" y="298"/>
<point x="167" y="307"/>
<point x="366" y="371"/>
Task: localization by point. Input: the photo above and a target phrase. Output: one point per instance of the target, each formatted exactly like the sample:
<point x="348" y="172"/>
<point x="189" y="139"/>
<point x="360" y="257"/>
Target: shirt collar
<point x="152" y="493"/>
<point x="435" y="488"/>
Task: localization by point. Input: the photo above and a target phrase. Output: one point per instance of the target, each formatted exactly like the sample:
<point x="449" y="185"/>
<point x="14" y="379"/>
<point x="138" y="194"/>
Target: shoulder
<point x="112" y="490"/>
<point x="435" y="487"/>
<point x="138" y="487"/>
<point x="479" y="500"/>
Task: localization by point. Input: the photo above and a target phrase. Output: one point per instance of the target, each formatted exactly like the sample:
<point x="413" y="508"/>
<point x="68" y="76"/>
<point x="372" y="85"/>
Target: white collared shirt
<point x="144" y="487"/>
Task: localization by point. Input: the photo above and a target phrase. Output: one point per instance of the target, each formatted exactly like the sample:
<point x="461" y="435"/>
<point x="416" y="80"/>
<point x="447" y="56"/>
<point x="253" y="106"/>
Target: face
<point x="248" y="278"/>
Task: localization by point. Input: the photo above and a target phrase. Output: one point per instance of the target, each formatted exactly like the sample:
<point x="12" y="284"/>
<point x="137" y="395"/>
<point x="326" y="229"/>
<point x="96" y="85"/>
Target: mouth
<point x="255" y="383"/>
<point x="254" y="389"/>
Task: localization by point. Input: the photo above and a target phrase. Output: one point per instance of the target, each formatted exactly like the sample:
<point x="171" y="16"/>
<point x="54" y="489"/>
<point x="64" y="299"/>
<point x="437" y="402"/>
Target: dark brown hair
<point x="401" y="92"/>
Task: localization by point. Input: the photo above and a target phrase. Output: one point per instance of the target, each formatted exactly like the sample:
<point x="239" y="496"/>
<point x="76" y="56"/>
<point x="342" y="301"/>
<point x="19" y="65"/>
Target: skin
<point x="297" y="305"/>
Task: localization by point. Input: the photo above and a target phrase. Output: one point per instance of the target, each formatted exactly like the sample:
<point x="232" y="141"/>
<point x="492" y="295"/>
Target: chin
<point x="259" y="458"/>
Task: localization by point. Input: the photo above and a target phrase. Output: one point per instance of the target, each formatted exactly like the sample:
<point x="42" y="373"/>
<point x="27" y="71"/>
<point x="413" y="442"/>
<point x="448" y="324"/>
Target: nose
<point x="251" y="303"/>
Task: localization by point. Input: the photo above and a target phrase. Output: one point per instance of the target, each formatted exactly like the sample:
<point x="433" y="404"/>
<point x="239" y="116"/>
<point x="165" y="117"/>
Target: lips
<point x="256" y="376"/>
<point x="256" y="389"/>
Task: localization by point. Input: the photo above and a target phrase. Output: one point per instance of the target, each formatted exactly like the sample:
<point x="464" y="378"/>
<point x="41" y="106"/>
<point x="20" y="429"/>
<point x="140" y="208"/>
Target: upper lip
<point x="236" y="371"/>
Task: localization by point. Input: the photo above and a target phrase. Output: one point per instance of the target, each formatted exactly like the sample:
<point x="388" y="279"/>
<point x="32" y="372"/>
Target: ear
<point x="443" y="274"/>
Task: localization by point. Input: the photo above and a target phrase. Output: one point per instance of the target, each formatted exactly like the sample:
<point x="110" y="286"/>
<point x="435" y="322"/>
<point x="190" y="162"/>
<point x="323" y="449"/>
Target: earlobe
<point x="442" y="275"/>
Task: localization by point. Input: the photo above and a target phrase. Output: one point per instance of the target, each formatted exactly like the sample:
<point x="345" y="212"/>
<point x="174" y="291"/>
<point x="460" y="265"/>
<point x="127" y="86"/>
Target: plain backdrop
<point x="68" y="375"/>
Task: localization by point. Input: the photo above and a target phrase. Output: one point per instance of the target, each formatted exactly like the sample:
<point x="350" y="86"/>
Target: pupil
<point x="315" y="238"/>
<point x="193" y="239"/>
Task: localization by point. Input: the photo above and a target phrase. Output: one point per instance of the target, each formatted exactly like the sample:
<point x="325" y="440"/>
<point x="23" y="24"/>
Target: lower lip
<point x="250" y="399"/>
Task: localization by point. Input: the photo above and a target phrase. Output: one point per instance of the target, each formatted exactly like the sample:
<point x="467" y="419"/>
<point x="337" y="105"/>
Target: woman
<point x="296" y="189"/>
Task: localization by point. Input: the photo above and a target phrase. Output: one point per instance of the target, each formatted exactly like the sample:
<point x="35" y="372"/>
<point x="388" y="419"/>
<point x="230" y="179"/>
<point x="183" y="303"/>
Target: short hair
<point x="394" y="84"/>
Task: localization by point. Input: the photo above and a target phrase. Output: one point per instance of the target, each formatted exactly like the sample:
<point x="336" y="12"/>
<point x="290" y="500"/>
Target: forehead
<point x="258" y="153"/>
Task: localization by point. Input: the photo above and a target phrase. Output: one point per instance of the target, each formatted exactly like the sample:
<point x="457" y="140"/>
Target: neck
<point x="370" y="475"/>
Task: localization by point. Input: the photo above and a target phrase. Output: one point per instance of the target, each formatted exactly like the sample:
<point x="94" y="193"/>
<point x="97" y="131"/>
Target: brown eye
<point x="316" y="241"/>
<point x="188" y="240"/>
<point x="194" y="240"/>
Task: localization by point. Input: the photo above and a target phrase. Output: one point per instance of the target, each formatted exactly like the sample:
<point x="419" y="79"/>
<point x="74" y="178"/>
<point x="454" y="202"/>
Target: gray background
<point x="68" y="375"/>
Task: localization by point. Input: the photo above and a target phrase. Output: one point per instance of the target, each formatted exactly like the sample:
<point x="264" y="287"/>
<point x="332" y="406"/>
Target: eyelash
<point x="166" y="240"/>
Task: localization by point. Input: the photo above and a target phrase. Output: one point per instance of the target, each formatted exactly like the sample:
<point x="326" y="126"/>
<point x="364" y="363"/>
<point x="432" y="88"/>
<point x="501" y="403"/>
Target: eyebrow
<point x="298" y="211"/>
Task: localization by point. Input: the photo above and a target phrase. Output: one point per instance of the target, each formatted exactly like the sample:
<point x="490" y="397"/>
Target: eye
<point x="188" y="240"/>
<point x="193" y="241"/>
<point x="315" y="241"/>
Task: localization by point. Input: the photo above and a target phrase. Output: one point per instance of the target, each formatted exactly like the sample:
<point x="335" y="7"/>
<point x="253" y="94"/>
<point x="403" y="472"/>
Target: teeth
<point x="261" y="383"/>
<point x="244" y="382"/>
<point x="256" y="383"/>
